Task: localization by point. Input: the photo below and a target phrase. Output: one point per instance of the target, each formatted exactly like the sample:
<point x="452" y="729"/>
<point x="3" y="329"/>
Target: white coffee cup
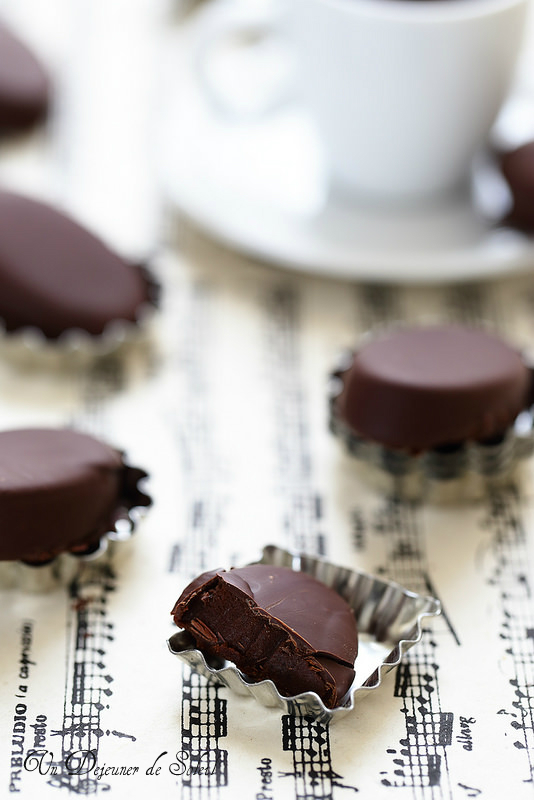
<point x="404" y="92"/>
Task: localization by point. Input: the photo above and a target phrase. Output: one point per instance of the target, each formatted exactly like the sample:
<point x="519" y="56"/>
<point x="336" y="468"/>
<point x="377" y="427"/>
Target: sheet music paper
<point x="226" y="409"/>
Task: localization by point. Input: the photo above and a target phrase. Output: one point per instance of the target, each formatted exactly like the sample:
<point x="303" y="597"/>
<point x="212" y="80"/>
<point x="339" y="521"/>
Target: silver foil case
<point x="66" y="567"/>
<point x="28" y="347"/>
<point x="390" y="622"/>
<point x="449" y="474"/>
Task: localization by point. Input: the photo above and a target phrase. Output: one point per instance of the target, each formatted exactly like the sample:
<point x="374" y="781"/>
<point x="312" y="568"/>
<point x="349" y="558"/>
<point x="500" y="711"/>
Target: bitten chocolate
<point x="24" y="85"/>
<point x="274" y="623"/>
<point x="420" y="388"/>
<point x="60" y="491"/>
<point x="56" y="276"/>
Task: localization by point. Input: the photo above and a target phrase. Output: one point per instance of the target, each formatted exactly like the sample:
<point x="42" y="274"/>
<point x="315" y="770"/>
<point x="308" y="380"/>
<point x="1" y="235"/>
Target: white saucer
<point x="257" y="182"/>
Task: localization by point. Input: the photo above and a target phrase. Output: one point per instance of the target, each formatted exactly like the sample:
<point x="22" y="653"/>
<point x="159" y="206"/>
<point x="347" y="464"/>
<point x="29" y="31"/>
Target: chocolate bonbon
<point x="518" y="170"/>
<point x="440" y="411"/>
<point x="426" y="387"/>
<point x="389" y="620"/>
<point x="57" y="277"/>
<point x="24" y="85"/>
<point x="61" y="491"/>
<point x="274" y="623"/>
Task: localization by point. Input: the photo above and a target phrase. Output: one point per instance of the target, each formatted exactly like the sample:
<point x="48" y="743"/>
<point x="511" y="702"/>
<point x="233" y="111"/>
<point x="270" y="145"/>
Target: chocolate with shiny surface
<point x="426" y="387"/>
<point x="60" y="491"/>
<point x="24" y="86"/>
<point x="57" y="276"/>
<point x="518" y="170"/>
<point x="274" y="623"/>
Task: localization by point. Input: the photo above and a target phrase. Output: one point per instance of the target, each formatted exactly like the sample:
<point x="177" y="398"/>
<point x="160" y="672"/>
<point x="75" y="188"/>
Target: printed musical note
<point x="86" y="680"/>
<point x="309" y="743"/>
<point x="503" y="522"/>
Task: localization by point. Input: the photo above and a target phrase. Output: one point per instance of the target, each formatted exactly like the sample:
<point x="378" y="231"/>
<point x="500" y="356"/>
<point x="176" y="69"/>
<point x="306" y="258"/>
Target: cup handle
<point x="255" y="27"/>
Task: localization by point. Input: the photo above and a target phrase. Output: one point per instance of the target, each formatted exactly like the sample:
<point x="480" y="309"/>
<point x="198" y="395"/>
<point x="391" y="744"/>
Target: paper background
<point x="226" y="409"/>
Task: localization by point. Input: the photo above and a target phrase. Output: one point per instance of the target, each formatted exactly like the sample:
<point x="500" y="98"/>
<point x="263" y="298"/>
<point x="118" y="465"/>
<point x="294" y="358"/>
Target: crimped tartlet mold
<point x="65" y="567"/>
<point x="390" y="621"/>
<point x="28" y="345"/>
<point x="465" y="471"/>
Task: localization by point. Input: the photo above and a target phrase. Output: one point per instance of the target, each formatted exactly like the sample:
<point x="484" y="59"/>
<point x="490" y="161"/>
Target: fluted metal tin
<point x="65" y="567"/>
<point x="390" y="621"/>
<point x="465" y="471"/>
<point x="28" y="346"/>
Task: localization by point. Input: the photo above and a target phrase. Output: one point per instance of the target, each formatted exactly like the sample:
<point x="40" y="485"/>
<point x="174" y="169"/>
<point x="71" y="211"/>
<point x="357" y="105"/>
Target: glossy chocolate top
<point x="425" y="387"/>
<point x="274" y="623"/>
<point x="55" y="275"/>
<point x="60" y="490"/>
<point x="24" y="88"/>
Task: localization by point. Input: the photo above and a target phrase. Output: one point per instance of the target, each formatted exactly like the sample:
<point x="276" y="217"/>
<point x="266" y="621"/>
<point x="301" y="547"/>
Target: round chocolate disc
<point x="56" y="276"/>
<point x="420" y="388"/>
<point x="60" y="491"/>
<point x="24" y="87"/>
<point x="518" y="170"/>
